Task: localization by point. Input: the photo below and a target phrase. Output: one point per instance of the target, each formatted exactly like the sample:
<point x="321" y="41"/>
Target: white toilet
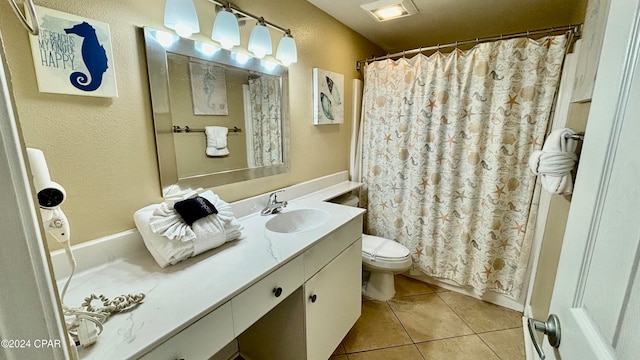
<point x="382" y="258"/>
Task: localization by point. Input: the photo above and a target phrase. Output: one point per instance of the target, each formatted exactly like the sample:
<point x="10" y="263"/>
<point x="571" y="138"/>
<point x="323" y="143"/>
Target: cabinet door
<point x="333" y="302"/>
<point x="201" y="340"/>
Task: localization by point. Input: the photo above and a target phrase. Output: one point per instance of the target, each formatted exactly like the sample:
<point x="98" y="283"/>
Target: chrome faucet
<point x="274" y="206"/>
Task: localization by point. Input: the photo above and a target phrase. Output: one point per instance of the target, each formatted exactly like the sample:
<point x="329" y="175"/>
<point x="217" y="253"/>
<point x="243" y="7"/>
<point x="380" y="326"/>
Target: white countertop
<point x="181" y="294"/>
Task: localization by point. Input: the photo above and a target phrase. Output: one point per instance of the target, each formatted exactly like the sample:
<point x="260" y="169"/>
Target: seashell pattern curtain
<point x="265" y="98"/>
<point x="446" y="144"/>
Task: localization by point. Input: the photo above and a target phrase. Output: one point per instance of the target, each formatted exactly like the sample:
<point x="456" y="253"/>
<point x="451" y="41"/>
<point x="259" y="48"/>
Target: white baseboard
<point x="491" y="297"/>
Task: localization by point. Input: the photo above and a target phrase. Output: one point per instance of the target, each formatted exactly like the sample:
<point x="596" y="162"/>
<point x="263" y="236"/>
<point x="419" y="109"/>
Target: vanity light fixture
<point x="287" y="52"/>
<point x="225" y="28"/>
<point x="181" y="16"/>
<point x="383" y="10"/>
<point x="260" y="40"/>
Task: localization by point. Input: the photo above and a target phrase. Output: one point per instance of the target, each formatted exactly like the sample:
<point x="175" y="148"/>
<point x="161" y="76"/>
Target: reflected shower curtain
<point x="446" y="144"/>
<point x="265" y="98"/>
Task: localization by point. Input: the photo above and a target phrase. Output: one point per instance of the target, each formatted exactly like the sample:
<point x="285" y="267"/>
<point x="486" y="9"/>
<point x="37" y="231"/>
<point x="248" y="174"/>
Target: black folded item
<point x="194" y="209"/>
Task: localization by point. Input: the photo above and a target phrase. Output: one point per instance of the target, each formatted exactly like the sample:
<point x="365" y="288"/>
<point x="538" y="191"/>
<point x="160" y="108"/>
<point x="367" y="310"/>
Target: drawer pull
<point x="313" y="298"/>
<point x="277" y="291"/>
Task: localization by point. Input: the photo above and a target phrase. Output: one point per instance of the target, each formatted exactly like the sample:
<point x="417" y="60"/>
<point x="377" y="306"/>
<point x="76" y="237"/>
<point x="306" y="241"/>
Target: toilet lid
<point x="374" y="246"/>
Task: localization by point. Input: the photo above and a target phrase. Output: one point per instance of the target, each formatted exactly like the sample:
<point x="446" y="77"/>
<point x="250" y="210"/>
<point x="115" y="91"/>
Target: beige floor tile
<point x="376" y="328"/>
<point x="407" y="352"/>
<point x="508" y="344"/>
<point x="481" y="316"/>
<point x="340" y="349"/>
<point x="427" y="317"/>
<point x="437" y="289"/>
<point x="458" y="348"/>
<point x="408" y="286"/>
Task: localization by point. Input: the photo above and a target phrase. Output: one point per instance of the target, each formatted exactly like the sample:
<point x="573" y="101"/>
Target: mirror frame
<point x="157" y="66"/>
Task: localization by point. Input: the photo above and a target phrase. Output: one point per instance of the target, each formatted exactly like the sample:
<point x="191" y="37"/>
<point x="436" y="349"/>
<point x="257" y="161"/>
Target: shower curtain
<point x="446" y="141"/>
<point x="265" y="99"/>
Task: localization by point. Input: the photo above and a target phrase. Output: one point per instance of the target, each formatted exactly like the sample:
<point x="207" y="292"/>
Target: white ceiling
<point x="446" y="21"/>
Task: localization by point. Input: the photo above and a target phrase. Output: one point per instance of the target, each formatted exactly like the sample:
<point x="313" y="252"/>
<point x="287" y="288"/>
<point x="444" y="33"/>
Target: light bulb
<point x="184" y="30"/>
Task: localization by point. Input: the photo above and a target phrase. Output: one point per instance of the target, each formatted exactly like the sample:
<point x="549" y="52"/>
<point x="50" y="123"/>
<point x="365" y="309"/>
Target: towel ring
<point x="34" y="29"/>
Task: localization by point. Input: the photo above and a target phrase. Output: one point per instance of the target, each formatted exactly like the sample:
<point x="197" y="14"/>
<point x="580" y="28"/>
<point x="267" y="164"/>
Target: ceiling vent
<point x="383" y="10"/>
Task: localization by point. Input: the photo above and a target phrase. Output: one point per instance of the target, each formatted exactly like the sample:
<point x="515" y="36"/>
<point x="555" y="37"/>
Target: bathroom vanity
<point x="280" y="295"/>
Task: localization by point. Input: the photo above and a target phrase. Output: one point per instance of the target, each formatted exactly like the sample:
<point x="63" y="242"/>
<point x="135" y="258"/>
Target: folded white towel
<point x="216" y="140"/>
<point x="204" y="234"/>
<point x="555" y="162"/>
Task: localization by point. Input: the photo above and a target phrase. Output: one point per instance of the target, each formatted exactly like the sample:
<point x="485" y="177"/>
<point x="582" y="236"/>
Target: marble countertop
<point x="179" y="295"/>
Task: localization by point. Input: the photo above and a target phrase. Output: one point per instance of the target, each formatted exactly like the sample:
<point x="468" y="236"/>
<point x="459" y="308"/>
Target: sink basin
<point x="298" y="220"/>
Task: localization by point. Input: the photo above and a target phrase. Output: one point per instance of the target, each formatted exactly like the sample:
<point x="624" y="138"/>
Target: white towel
<point x="216" y="140"/>
<point x="205" y="234"/>
<point x="555" y="162"/>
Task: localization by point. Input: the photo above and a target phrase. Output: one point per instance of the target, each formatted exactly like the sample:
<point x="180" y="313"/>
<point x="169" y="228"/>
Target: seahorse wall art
<point x="93" y="55"/>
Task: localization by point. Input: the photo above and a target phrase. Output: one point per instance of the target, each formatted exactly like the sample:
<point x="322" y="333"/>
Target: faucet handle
<point x="273" y="197"/>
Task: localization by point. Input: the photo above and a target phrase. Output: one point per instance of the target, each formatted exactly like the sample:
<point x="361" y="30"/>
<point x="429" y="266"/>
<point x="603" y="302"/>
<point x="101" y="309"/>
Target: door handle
<point x="551" y="328"/>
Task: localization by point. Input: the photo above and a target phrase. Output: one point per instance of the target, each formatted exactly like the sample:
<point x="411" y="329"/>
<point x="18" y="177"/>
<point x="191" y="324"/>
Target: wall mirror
<point x="196" y="86"/>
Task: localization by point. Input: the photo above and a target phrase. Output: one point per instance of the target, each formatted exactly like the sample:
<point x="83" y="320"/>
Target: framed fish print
<point x="72" y="55"/>
<point x="328" y="104"/>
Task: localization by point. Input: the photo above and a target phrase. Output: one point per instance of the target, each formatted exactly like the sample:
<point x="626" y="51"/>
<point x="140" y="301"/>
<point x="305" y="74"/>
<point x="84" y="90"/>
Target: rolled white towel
<point x="555" y="162"/>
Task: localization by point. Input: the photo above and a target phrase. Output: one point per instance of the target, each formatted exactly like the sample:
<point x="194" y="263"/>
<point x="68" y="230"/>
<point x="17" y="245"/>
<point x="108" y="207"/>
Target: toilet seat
<point x="385" y="254"/>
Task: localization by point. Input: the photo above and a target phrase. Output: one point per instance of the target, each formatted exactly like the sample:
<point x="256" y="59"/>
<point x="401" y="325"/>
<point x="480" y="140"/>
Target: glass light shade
<point x="181" y="16"/>
<point x="287" y="51"/>
<point x="226" y="30"/>
<point x="260" y="41"/>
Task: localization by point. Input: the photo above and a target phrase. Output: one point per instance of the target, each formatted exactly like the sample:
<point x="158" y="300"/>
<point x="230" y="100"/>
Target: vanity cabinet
<point x="312" y="321"/>
<point x="333" y="302"/>
<point x="253" y="303"/>
<point x="302" y="310"/>
<point x="200" y="340"/>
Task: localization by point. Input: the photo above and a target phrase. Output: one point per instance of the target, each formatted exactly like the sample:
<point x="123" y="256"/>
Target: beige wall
<point x="103" y="151"/>
<point x="554" y="229"/>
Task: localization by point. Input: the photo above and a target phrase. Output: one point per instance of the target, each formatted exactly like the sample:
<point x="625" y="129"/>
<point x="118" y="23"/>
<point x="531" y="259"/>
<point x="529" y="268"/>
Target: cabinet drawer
<point x="253" y="303"/>
<point x="201" y="340"/>
<point x="330" y="246"/>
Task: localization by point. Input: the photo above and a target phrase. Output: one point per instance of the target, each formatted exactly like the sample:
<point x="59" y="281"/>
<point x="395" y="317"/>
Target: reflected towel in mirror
<point x="216" y="140"/>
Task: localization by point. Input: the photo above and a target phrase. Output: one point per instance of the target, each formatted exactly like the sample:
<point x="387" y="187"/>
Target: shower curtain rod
<point x="576" y="29"/>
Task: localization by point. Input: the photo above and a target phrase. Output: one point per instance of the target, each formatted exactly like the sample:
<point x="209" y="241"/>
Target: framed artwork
<point x="328" y="104"/>
<point x="208" y="88"/>
<point x="72" y="55"/>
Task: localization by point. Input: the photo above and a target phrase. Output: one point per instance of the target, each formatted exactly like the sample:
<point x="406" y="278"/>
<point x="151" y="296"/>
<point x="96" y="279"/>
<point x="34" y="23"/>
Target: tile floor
<point x="425" y="322"/>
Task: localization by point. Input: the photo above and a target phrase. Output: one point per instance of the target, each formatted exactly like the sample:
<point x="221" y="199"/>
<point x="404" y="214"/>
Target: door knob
<point x="551" y="328"/>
